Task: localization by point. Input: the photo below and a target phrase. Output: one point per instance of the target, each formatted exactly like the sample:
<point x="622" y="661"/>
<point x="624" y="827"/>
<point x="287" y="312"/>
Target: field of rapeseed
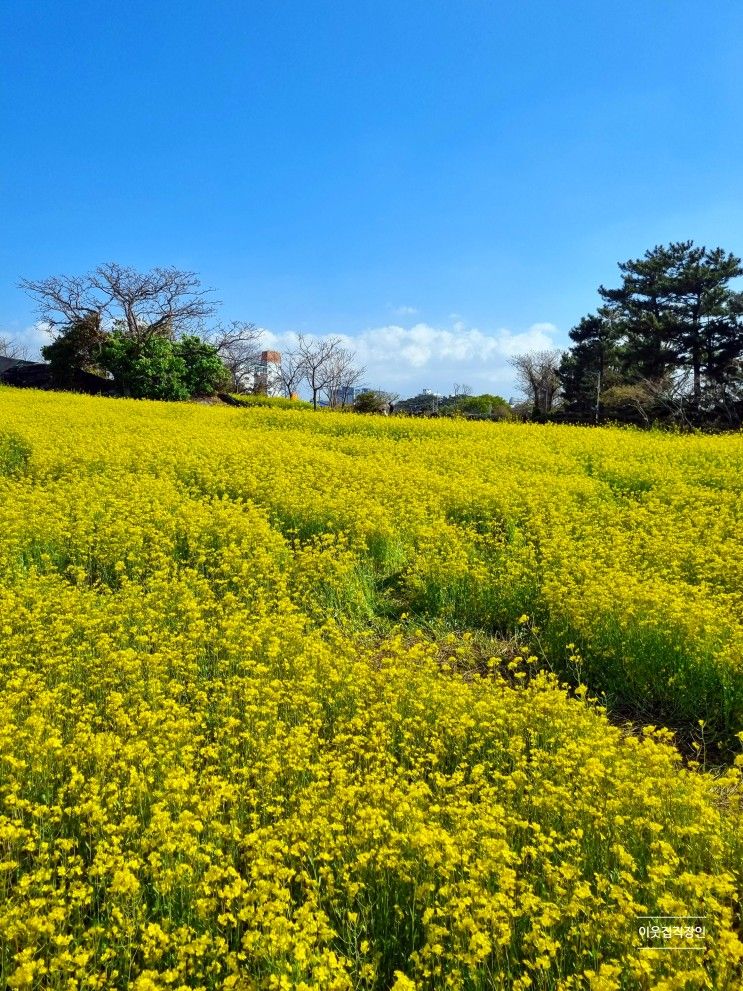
<point x="285" y="703"/>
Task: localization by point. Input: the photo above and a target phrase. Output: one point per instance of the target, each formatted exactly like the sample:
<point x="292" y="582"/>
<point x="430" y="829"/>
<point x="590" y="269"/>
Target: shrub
<point x="486" y="405"/>
<point x="372" y="401"/>
<point x="205" y="372"/>
<point x="148" y="369"/>
<point x="159" y="368"/>
<point x="78" y="348"/>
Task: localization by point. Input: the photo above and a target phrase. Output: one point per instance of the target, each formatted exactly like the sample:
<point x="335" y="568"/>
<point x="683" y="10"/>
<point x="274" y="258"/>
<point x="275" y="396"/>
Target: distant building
<point x="349" y="393"/>
<point x="345" y="396"/>
<point x="265" y="374"/>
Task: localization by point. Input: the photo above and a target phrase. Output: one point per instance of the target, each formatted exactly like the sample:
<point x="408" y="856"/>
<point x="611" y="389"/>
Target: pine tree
<point x="680" y="317"/>
<point x="592" y="364"/>
<point x="642" y="301"/>
<point x="707" y="336"/>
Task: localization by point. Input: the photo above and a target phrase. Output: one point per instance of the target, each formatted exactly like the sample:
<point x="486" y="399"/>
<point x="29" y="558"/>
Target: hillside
<point x="320" y="700"/>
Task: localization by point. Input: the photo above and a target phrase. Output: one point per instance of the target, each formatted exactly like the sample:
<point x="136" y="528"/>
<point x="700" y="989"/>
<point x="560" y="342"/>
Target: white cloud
<point x="407" y="359"/>
<point x="29" y="340"/>
<point x="404" y="311"/>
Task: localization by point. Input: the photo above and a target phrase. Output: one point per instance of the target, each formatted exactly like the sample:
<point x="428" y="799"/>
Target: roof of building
<point x="6" y="363"/>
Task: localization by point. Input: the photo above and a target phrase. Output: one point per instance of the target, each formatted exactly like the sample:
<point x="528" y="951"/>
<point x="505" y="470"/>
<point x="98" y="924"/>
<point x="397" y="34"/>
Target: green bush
<point x="205" y="372"/>
<point x="159" y="368"/>
<point x="149" y="369"/>
<point x="486" y="405"/>
<point x="372" y="401"/>
<point x="78" y="347"/>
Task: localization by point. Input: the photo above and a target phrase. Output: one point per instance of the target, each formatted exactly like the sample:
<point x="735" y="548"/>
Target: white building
<point x="265" y="374"/>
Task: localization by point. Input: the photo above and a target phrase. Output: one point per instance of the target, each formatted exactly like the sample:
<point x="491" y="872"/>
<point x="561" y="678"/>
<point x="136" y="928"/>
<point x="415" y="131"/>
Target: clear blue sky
<point x="331" y="167"/>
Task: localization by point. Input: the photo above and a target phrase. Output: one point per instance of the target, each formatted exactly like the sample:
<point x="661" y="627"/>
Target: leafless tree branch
<point x="536" y="376"/>
<point x="239" y="344"/>
<point x="315" y="355"/>
<point x="162" y="302"/>
<point x="341" y="375"/>
<point x="290" y="372"/>
<point x="12" y="349"/>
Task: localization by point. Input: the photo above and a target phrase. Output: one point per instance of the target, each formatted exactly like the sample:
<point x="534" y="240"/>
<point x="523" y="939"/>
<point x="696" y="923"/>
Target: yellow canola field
<point x="246" y="740"/>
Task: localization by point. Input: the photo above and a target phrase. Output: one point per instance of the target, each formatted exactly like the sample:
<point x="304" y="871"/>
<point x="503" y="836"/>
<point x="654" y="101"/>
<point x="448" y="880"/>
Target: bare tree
<point x="537" y="377"/>
<point x="668" y="397"/>
<point x="162" y="302"/>
<point x="12" y="349"/>
<point x="290" y="372"/>
<point x="342" y="374"/>
<point x="316" y="355"/>
<point x="461" y="390"/>
<point x="239" y="344"/>
<point x="672" y="394"/>
<point x="631" y="397"/>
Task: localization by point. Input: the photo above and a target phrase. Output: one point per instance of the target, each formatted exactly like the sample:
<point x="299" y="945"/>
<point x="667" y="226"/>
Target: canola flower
<point x="240" y="748"/>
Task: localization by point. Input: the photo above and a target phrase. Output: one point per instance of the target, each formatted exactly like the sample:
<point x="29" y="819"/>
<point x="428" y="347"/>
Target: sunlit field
<point x="298" y="700"/>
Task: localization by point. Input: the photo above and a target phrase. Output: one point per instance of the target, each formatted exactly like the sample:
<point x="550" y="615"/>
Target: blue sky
<point x="444" y="182"/>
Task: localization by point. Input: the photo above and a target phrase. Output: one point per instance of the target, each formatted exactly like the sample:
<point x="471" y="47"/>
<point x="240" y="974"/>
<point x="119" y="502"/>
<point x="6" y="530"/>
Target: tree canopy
<point x="672" y="330"/>
<point x="136" y="327"/>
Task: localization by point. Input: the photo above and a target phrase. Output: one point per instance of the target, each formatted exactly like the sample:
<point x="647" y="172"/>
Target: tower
<point x="266" y="373"/>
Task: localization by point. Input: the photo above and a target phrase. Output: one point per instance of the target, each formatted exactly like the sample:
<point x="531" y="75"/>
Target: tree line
<point x="148" y="333"/>
<point x="666" y="345"/>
